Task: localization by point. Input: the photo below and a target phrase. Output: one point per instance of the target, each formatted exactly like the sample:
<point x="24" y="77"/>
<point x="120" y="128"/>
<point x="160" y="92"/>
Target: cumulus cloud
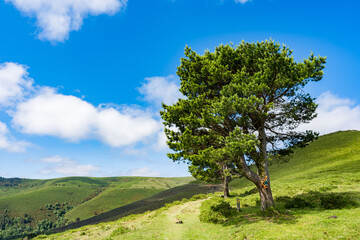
<point x="56" y="18"/>
<point x="14" y="83"/>
<point x="71" y="118"/>
<point x="8" y="143"/>
<point x="143" y="172"/>
<point x="161" y="89"/>
<point x="334" y="114"/>
<point x="67" y="167"/>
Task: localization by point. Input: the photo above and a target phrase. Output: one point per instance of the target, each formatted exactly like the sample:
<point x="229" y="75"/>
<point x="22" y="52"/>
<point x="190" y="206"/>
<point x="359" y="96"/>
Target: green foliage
<point x="336" y="201"/>
<point x="317" y="199"/>
<point x="215" y="210"/>
<point x="14" y="227"/>
<point x="239" y="100"/>
<point x="10" y="182"/>
<point x="198" y="196"/>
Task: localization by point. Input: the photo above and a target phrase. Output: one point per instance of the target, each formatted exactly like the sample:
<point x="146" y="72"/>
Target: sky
<point x="82" y="81"/>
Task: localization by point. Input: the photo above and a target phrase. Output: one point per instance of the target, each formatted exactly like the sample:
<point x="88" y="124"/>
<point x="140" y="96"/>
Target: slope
<point x="328" y="169"/>
<point x="87" y="195"/>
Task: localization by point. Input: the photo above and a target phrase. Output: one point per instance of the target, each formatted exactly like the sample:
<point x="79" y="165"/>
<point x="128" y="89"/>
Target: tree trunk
<point x="265" y="193"/>
<point x="226" y="187"/>
<point x="266" y="198"/>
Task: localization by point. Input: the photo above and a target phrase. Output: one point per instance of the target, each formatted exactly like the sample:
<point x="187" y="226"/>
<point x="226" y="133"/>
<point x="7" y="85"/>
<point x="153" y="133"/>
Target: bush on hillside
<point x="336" y="201"/>
<point x="198" y="196"/>
<point x="215" y="210"/>
<point x="317" y="199"/>
<point x="299" y="202"/>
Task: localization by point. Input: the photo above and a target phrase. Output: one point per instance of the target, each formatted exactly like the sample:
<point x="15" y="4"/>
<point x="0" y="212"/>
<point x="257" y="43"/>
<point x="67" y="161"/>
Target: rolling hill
<point x="88" y="196"/>
<point x="326" y="172"/>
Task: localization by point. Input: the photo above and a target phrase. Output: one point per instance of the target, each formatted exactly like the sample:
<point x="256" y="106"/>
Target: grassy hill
<point x="89" y="196"/>
<point x="327" y="171"/>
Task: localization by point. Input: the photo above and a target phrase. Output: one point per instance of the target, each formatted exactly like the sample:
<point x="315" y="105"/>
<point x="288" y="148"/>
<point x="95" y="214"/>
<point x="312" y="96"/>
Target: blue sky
<point x="81" y="82"/>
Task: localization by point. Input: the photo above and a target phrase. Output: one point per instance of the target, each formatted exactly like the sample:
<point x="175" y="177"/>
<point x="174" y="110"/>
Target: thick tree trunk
<point x="265" y="193"/>
<point x="226" y="187"/>
<point x="266" y="198"/>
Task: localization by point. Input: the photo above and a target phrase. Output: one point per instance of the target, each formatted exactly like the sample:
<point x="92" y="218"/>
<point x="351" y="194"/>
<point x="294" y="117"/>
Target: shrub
<point x="317" y="199"/>
<point x="298" y="202"/>
<point x="282" y="199"/>
<point x="215" y="210"/>
<point x="198" y="196"/>
<point x="336" y="201"/>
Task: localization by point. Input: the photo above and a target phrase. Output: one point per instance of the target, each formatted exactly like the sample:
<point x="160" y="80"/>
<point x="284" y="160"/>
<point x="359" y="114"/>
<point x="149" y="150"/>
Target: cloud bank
<point x="43" y="111"/>
<point x="143" y="172"/>
<point x="73" y="119"/>
<point x="67" y="167"/>
<point x="334" y="114"/>
<point x="14" y="83"/>
<point x="8" y="143"/>
<point x="57" y="18"/>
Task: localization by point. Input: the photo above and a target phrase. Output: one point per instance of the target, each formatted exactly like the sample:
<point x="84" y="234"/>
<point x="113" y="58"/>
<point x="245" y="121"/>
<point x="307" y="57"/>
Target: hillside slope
<point x="327" y="169"/>
<point x="89" y="196"/>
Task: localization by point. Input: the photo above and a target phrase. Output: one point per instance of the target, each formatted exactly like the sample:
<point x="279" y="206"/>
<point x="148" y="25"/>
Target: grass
<point x="90" y="196"/>
<point x="328" y="167"/>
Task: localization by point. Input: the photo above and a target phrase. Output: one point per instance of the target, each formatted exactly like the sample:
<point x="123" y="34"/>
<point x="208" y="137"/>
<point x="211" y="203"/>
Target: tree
<point x="242" y="106"/>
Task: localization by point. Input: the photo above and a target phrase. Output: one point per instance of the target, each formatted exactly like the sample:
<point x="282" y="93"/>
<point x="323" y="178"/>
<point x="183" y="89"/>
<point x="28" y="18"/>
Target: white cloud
<point x="56" y="18"/>
<point x="67" y="167"/>
<point x="161" y="89"/>
<point x="119" y="129"/>
<point x="161" y="141"/>
<point x="54" y="114"/>
<point x="74" y="119"/>
<point x="334" y="114"/>
<point x="143" y="172"/>
<point x="8" y="143"/>
<point x="14" y="82"/>
<point x="53" y="159"/>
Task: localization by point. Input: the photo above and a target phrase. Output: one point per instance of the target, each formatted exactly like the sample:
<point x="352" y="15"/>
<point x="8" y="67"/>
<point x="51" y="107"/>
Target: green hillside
<point x="310" y="191"/>
<point x="88" y="196"/>
<point x="122" y="192"/>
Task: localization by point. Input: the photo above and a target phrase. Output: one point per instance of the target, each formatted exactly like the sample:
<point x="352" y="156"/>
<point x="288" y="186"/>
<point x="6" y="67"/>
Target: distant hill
<point x="304" y="186"/>
<point x="89" y="196"/>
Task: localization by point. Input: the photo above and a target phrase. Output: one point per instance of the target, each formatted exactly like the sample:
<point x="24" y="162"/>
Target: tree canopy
<point x="242" y="104"/>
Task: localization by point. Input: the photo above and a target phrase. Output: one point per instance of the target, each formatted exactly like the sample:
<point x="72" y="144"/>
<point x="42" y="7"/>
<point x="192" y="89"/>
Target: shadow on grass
<point x="311" y="202"/>
<point x="148" y="204"/>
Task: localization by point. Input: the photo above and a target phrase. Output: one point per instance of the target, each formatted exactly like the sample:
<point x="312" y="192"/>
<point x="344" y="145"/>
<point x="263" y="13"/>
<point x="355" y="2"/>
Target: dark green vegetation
<point x="32" y="206"/>
<point x="215" y="210"/>
<point x="317" y="194"/>
<point x="242" y="105"/>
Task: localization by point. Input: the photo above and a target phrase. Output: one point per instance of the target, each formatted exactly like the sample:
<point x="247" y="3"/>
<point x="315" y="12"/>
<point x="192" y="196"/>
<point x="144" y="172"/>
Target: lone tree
<point x="242" y="106"/>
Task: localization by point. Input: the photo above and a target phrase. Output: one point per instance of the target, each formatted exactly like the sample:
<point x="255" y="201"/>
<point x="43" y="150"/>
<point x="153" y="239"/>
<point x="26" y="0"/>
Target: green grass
<point x="330" y="165"/>
<point x="30" y="195"/>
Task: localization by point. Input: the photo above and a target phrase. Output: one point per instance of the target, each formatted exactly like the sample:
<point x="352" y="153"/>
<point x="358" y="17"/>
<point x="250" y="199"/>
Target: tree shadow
<point x="289" y="209"/>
